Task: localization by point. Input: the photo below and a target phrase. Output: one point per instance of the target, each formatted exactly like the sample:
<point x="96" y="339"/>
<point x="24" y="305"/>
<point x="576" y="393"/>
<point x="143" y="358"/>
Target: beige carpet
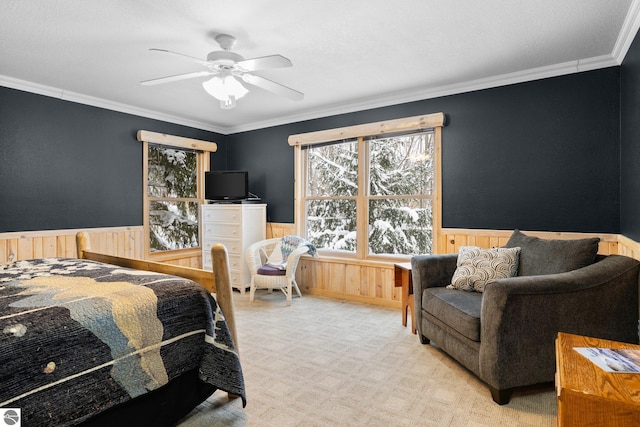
<point x="326" y="362"/>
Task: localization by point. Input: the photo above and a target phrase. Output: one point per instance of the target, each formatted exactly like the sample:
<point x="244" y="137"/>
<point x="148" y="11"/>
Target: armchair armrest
<point x="429" y="271"/>
<point x="521" y="317"/>
<point x="432" y="270"/>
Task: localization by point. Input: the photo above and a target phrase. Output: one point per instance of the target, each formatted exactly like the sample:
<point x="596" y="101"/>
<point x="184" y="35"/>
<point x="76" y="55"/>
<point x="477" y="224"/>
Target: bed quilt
<point x="78" y="337"/>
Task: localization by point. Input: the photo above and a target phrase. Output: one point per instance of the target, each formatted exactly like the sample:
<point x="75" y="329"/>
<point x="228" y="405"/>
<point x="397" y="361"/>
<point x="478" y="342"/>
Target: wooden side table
<point x="587" y="394"/>
<point x="402" y="278"/>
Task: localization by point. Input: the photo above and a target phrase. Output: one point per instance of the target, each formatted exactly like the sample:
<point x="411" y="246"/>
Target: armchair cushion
<point x="549" y="256"/>
<point x="476" y="267"/>
<point x="459" y="310"/>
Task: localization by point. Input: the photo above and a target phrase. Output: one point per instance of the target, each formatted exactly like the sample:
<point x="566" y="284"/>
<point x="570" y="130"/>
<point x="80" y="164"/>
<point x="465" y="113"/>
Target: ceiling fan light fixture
<point x="229" y="103"/>
<point x="229" y="71"/>
<point x="224" y="88"/>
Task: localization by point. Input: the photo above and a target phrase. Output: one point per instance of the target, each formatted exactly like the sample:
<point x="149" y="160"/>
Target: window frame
<point x="202" y="150"/>
<point x="431" y="122"/>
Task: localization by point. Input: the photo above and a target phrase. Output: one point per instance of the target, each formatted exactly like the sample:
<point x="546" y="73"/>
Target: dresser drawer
<point x="212" y="229"/>
<point x="221" y="215"/>
<point x="236" y="261"/>
<point x="233" y="246"/>
<point x="234" y="277"/>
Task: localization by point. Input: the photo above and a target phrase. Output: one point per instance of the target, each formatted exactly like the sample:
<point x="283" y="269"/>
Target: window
<point x="174" y="188"/>
<point x="172" y="197"/>
<point x="369" y="195"/>
<point x="400" y="194"/>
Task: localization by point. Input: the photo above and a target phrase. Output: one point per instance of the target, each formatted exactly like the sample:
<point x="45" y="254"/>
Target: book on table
<point x="615" y="360"/>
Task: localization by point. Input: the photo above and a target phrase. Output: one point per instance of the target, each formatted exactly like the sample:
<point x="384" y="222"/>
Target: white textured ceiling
<point x="347" y="55"/>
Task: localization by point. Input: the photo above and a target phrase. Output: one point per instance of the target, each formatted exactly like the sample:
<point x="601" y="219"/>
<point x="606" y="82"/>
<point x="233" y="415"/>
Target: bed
<point x="104" y="340"/>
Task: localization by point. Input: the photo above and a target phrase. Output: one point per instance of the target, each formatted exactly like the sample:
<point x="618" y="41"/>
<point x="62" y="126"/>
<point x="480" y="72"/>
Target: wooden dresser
<point x="236" y="226"/>
<point x="587" y="394"/>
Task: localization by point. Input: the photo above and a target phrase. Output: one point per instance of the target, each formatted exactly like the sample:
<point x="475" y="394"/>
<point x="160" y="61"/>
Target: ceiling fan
<point x="228" y="70"/>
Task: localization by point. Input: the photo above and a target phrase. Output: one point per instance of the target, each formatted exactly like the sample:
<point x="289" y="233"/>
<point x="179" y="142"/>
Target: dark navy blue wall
<point x="541" y="155"/>
<point x="630" y="145"/>
<point x="68" y="165"/>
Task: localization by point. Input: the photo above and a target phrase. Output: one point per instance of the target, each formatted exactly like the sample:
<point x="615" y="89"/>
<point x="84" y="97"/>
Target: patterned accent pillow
<point x="477" y="266"/>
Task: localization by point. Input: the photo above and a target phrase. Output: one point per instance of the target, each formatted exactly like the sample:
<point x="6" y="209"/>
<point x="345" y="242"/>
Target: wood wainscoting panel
<point x="372" y="281"/>
<point x="184" y="258"/>
<point x="365" y="281"/>
<point x="349" y="279"/>
<point x="353" y="283"/>
<point x="120" y="241"/>
<point x="453" y="238"/>
<point x="275" y="229"/>
<point x="628" y="247"/>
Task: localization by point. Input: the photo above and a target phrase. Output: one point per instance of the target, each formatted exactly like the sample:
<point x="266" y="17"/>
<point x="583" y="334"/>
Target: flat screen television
<point x="226" y="185"/>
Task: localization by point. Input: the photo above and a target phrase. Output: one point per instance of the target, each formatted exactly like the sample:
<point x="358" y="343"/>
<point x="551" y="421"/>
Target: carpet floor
<point x="328" y="362"/>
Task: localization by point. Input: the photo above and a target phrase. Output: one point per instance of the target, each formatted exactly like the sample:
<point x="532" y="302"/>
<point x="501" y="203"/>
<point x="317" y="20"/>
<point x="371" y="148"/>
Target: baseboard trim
<point x="354" y="298"/>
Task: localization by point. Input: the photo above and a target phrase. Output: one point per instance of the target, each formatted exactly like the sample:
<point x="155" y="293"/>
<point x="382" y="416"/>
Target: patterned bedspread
<point x="78" y="337"/>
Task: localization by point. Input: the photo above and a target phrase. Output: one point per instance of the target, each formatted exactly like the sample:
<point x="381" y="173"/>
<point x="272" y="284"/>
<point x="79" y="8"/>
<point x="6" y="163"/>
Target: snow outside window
<point x="379" y="190"/>
<point x="172" y="189"/>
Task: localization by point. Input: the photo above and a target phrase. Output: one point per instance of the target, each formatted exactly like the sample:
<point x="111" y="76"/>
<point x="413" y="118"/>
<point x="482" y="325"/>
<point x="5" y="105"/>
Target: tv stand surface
<point x="234" y="202"/>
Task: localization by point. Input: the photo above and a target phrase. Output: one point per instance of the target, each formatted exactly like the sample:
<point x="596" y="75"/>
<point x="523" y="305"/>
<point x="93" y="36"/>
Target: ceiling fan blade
<point x="272" y="61"/>
<point x="177" y="77"/>
<point x="274" y="87"/>
<point x="192" y="58"/>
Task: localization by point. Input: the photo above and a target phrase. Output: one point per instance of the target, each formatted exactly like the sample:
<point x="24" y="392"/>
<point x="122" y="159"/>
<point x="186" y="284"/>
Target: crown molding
<point x="396" y="98"/>
<point x="628" y="32"/>
<point x="80" y="98"/>
<point x="403" y="97"/>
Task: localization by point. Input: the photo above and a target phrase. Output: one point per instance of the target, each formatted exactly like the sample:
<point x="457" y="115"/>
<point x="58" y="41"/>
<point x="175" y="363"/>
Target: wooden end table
<point x="587" y="394"/>
<point x="402" y="278"/>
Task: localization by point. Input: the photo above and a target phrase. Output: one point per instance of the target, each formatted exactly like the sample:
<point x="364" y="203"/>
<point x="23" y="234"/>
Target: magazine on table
<point x="617" y="360"/>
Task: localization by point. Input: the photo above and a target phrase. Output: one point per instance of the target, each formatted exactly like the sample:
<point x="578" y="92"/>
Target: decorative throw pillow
<point x="275" y="258"/>
<point x="477" y="266"/>
<point x="550" y="256"/>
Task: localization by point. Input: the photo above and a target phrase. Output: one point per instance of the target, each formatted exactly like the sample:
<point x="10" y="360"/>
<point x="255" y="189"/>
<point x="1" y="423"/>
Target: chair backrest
<point x="258" y="252"/>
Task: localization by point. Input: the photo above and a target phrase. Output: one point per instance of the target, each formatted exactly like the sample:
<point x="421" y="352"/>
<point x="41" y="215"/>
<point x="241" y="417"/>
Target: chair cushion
<point x="477" y="266"/>
<point x="549" y="256"/>
<point x="267" y="270"/>
<point x="458" y="309"/>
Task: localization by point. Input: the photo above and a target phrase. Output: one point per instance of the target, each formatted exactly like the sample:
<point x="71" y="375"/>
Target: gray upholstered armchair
<point x="505" y="334"/>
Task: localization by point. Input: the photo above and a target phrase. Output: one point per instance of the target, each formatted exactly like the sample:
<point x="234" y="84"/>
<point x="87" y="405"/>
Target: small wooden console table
<point x="402" y="278"/>
<point x="587" y="394"/>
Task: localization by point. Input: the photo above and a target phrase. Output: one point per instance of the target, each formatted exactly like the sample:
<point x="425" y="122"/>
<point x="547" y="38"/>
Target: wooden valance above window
<point x="176" y="141"/>
<point x="406" y="124"/>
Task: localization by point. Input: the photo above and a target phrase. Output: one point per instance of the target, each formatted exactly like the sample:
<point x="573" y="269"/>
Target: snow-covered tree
<point x="399" y="174"/>
<point x="400" y="167"/>
<point x="333" y="172"/>
<point x="172" y="177"/>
